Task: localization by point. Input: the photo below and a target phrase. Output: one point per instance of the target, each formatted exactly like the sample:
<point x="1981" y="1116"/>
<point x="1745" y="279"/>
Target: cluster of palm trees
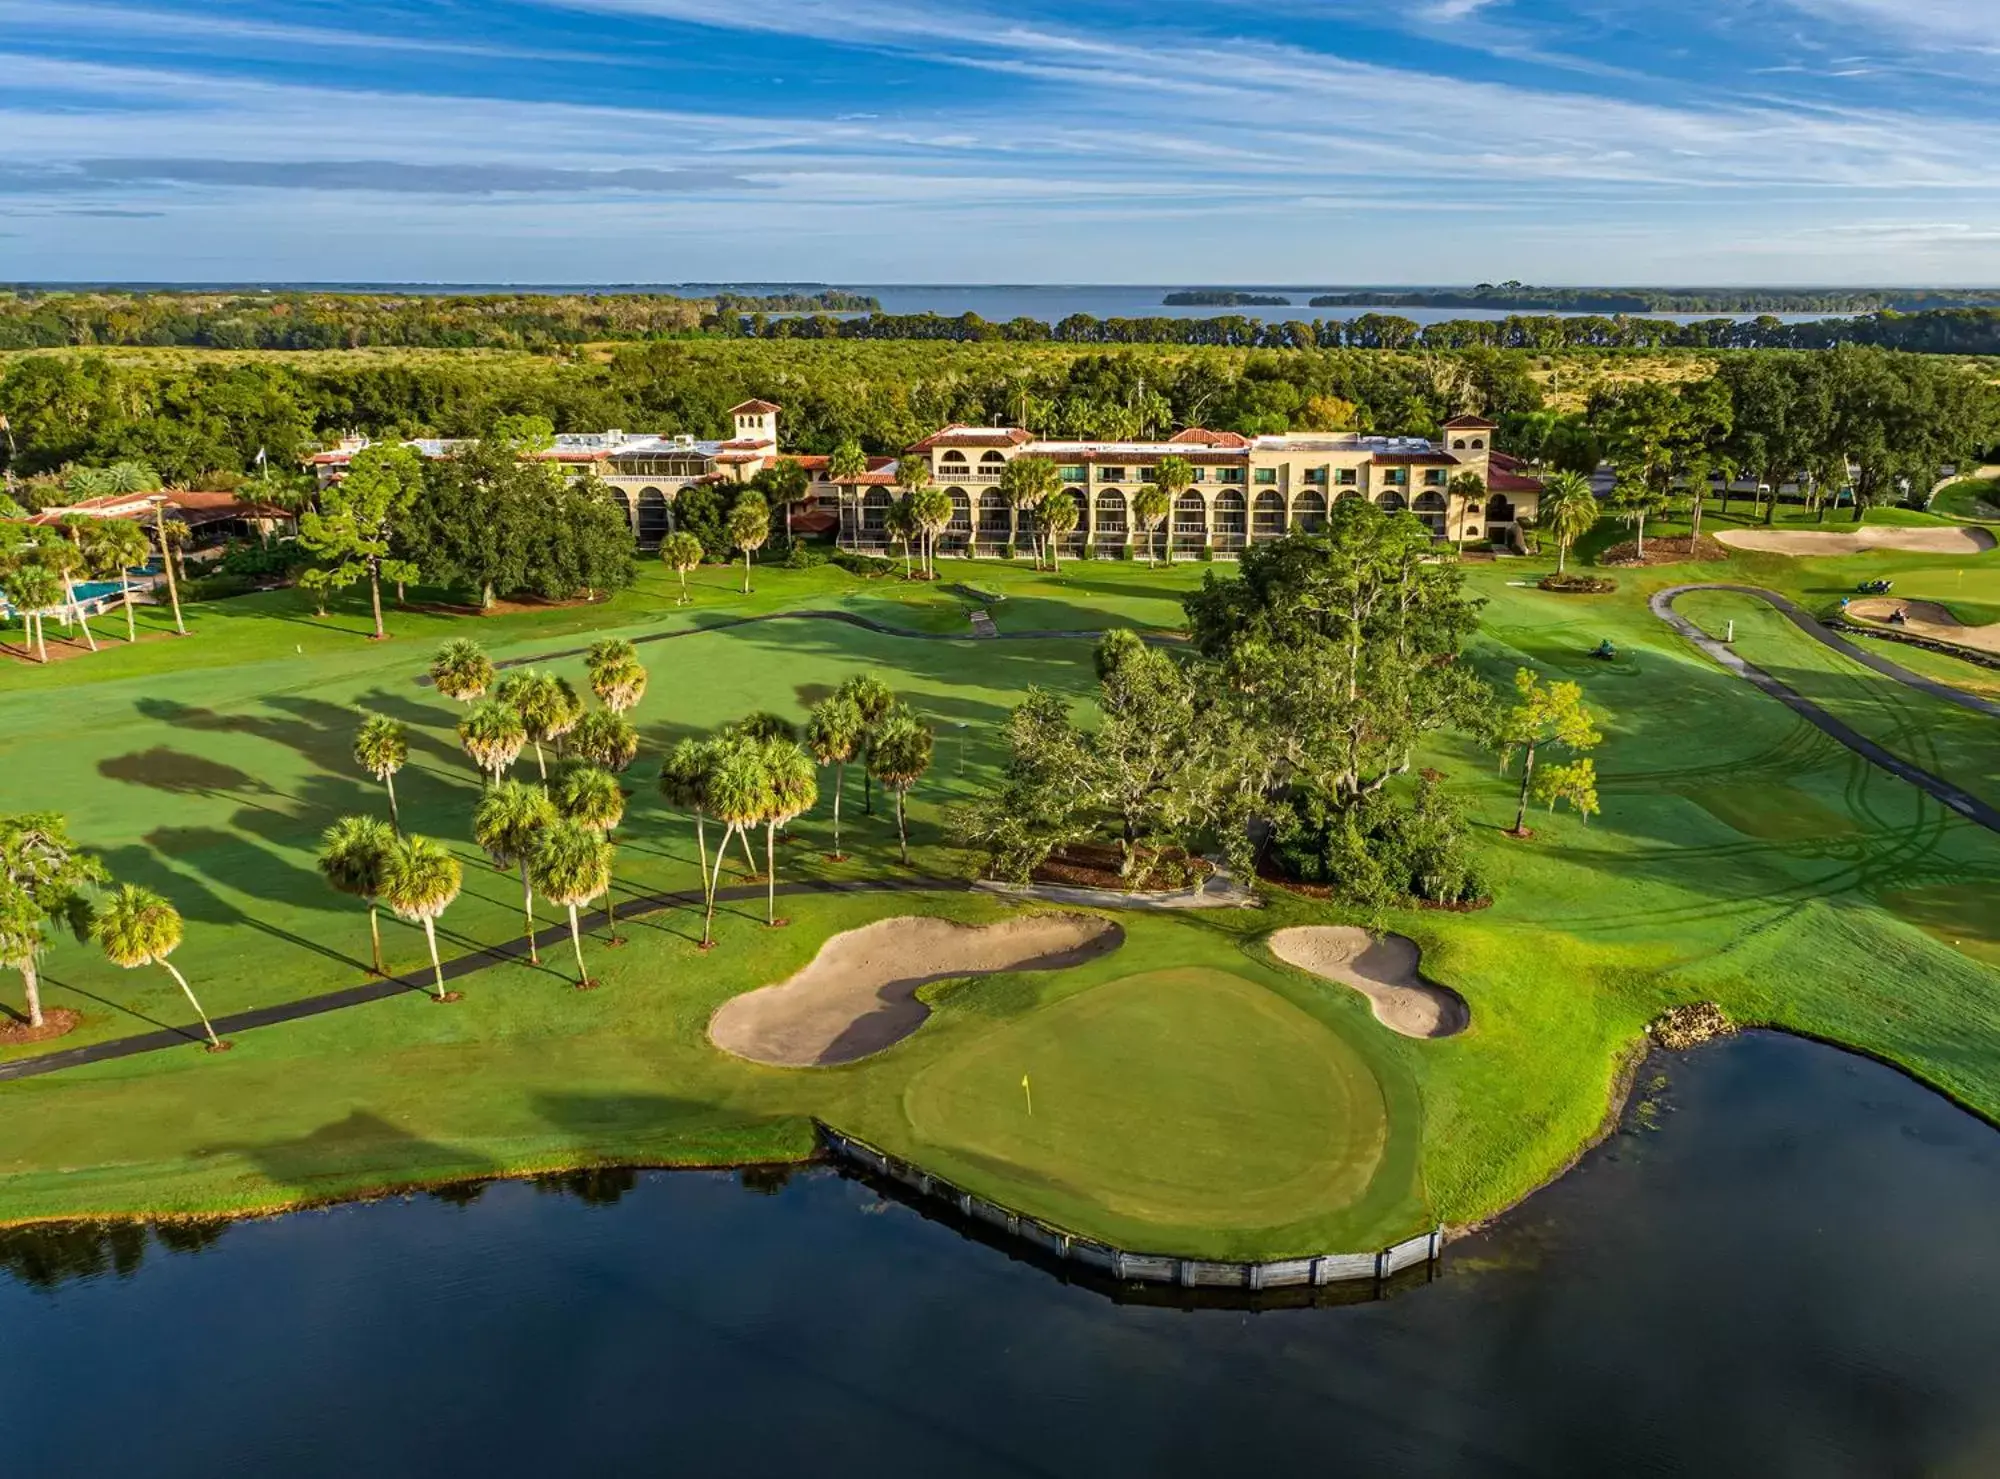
<point x="41" y="567"/>
<point x="556" y="830"/>
<point x="47" y="882"/>
<point x="1029" y="485"/>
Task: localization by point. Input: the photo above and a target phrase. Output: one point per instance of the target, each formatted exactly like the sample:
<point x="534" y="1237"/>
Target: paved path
<point x="421" y="982"/>
<point x="1962" y="802"/>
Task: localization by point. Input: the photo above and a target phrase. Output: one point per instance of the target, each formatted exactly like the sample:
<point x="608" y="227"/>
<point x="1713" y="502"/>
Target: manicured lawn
<point x="1243" y="1106"/>
<point x="1970" y="498"/>
<point x="1969" y="676"/>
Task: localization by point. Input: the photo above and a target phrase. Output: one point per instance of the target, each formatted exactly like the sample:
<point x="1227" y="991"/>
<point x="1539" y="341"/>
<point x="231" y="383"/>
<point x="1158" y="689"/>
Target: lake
<point x="1782" y="1264"/>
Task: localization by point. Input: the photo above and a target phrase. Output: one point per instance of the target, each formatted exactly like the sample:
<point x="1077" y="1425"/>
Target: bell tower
<point x="756" y="421"/>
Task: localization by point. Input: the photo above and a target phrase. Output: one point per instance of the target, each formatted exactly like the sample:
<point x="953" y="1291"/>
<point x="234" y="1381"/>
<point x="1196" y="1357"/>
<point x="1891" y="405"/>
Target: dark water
<point x="1794" y="1272"/>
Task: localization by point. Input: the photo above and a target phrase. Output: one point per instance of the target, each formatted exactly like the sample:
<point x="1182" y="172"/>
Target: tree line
<point x="32" y="319"/>
<point x="1959" y="330"/>
<point x="1521" y="297"/>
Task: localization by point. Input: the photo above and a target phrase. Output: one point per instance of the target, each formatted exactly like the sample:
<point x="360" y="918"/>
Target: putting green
<point x="1179" y="1097"/>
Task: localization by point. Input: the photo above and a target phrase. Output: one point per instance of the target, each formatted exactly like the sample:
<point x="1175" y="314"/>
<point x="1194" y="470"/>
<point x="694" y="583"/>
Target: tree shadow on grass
<point x="178" y="773"/>
<point x="363" y="1148"/>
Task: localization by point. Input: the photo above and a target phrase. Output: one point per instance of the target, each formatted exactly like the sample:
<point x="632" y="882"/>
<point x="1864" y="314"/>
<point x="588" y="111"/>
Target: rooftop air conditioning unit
<point x="683" y="439"/>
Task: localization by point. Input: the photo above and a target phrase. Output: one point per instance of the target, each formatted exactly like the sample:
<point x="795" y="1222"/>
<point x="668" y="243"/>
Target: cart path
<point x="421" y="982"/>
<point x="1965" y="804"/>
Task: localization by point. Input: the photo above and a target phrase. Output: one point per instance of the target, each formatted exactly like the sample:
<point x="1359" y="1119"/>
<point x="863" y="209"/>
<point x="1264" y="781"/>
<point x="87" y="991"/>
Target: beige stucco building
<point x="1245" y="489"/>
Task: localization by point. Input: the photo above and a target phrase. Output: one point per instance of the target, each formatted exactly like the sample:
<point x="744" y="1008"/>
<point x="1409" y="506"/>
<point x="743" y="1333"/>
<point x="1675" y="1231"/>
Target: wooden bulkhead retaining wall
<point x="1117" y="1263"/>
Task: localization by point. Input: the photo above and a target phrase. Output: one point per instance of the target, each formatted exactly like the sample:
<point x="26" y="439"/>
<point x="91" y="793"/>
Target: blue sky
<point x="1302" y="141"/>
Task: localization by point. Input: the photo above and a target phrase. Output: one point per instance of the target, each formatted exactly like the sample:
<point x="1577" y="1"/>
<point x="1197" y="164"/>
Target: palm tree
<point x="606" y="739"/>
<point x="508" y="824"/>
<point x="834" y="732"/>
<point x="874" y="701"/>
<point x="116" y="547"/>
<point x="737" y="790"/>
<point x="848" y="462"/>
<point x="1026" y="482"/>
<point x="167" y="541"/>
<point x="900" y="522"/>
<point x="791" y="789"/>
<point x="749" y="527"/>
<point x="1174" y="475"/>
<point x="594" y="798"/>
<point x="493" y="736"/>
<point x="1060" y="516"/>
<point x="898" y="759"/>
<point x="1570" y="510"/>
<point x="419" y="881"/>
<point x="681" y="552"/>
<point x="616" y="675"/>
<point x="684" y="783"/>
<point x="1469" y="489"/>
<point x="1150" y="506"/>
<point x="66" y="558"/>
<point x="547" y="705"/>
<point x="382" y="748"/>
<point x="930" y="509"/>
<point x="462" y="671"/>
<point x="137" y="927"/>
<point x="571" y="866"/>
<point x="33" y="589"/>
<point x="354" y="852"/>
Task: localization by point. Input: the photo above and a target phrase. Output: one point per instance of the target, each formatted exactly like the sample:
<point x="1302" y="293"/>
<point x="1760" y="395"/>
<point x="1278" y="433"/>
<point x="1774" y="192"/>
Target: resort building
<point x="644" y="471"/>
<point x="1244" y="488"/>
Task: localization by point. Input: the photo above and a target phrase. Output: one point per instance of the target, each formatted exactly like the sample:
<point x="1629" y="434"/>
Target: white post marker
<point x="1730" y="635"/>
<point x="1030" y="1093"/>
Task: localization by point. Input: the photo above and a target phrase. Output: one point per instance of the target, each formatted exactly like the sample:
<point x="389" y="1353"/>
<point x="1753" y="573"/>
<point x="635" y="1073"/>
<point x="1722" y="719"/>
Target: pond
<point x="1783" y="1263"/>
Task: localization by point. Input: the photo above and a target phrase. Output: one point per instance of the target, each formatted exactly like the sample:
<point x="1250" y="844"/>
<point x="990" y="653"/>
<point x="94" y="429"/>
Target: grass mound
<point x="1176" y="1098"/>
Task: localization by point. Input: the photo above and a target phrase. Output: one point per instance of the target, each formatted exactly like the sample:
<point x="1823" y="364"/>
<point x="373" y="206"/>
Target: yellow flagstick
<point x="1031" y="1095"/>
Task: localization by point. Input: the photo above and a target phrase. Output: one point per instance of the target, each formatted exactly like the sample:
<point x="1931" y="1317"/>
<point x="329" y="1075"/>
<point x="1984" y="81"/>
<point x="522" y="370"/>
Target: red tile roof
<point x="973" y="436"/>
<point x="1202" y="436"/>
<point x="1471" y="423"/>
<point x="1512" y="482"/>
<point x="755" y="408"/>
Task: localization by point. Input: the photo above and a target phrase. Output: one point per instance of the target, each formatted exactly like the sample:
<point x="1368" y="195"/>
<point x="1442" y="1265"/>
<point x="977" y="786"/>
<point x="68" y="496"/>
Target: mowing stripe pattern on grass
<point x="1960" y="801"/>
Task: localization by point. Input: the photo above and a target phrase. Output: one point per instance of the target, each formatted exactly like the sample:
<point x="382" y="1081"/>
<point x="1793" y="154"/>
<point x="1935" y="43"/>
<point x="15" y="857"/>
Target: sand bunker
<point x="1926" y="619"/>
<point x="859" y="994"/>
<point x="1382" y="969"/>
<point x="1936" y="540"/>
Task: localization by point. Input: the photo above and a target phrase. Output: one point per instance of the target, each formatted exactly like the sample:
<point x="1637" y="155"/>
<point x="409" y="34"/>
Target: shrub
<point x="278" y="559"/>
<point x="803" y="557"/>
<point x="1588" y="585"/>
<point x="1384" y="850"/>
<point x="856" y="563"/>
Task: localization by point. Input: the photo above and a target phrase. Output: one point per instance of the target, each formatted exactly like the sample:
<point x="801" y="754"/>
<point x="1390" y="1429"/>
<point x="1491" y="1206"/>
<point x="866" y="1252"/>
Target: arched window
<point x="1458" y="444"/>
<point x="1230" y="520"/>
<point x="1479" y="441"/>
<point x="655" y="519"/>
<point x="992" y="520"/>
<point x="1391" y="502"/>
<point x="1267" y="518"/>
<point x="1499" y="510"/>
<point x="1111" y="524"/>
<point x="1190" y="523"/>
<point x="992" y="463"/>
<point x="624" y="501"/>
<point x="1309" y="513"/>
<point x="1074" y="541"/>
<point x="875" y="515"/>
<point x="1431" y="509"/>
<point x="953" y="465"/>
<point x="958" y="533"/>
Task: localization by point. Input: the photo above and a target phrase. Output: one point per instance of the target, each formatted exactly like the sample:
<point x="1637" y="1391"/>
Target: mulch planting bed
<point x="1095" y="865"/>
<point x="1664" y="551"/>
<point x="56" y="1022"/>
